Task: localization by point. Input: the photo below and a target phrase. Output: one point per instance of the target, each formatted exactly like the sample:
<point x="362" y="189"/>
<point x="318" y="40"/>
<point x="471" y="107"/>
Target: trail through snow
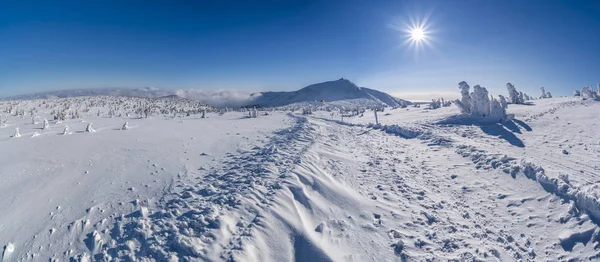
<point x="309" y="188"/>
<point x="322" y="191"/>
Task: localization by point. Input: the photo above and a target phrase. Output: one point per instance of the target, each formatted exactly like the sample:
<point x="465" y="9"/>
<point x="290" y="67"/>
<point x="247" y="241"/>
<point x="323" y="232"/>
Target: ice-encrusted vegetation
<point x="479" y="106"/>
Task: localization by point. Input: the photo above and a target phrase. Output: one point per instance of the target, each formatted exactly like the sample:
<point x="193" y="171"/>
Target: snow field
<point x="287" y="187"/>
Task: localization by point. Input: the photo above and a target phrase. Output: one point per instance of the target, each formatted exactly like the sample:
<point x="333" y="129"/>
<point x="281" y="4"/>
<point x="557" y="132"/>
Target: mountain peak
<point x="335" y="90"/>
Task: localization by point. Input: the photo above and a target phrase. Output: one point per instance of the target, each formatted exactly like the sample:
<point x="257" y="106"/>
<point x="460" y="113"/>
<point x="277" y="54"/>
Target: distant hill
<point x="340" y="92"/>
<point x="330" y="91"/>
<point x="149" y="92"/>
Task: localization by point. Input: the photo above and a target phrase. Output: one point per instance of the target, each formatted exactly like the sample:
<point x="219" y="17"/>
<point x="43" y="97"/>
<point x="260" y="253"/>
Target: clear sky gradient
<point x="285" y="45"/>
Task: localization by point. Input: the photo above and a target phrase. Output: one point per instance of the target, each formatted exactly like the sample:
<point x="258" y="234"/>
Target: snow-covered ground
<point x="289" y="187"/>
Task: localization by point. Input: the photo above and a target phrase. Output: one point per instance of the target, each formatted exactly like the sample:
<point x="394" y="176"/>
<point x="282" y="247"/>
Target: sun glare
<point x="417" y="34"/>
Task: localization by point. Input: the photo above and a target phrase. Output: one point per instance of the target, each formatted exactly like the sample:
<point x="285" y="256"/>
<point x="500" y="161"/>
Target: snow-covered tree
<point x="576" y="92"/>
<point x="544" y="94"/>
<point x="46" y="125"/>
<point x="480" y="102"/>
<point x="588" y="93"/>
<point x="90" y="127"/>
<point x="514" y="96"/>
<point x="481" y="105"/>
<point x="497" y="110"/>
<point x="465" y="101"/>
<point x="521" y="98"/>
<point x="67" y="130"/>
<point x="503" y="101"/>
<point x="17" y="134"/>
<point x="435" y="104"/>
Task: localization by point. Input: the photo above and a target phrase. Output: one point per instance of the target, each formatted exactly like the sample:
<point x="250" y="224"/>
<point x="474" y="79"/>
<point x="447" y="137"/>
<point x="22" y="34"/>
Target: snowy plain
<point x="290" y="187"/>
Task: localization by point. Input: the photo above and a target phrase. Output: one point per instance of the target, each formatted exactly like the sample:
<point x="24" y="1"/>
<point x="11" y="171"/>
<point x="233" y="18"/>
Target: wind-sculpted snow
<point x="173" y="180"/>
<point x="206" y="218"/>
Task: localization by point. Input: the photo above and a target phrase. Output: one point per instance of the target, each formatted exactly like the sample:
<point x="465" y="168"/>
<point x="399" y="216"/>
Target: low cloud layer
<point x="219" y="98"/>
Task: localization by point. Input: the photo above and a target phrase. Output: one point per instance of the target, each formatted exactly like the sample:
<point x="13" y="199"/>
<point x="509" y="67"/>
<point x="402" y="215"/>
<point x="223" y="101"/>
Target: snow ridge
<point x="208" y="218"/>
<point x="588" y="201"/>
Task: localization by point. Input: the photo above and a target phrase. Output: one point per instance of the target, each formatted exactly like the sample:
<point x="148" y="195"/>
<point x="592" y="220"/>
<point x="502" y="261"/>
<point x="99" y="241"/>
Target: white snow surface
<point x="286" y="187"/>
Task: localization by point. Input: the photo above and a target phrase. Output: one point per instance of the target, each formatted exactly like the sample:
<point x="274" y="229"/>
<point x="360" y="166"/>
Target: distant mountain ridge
<point x="341" y="90"/>
<point x="329" y="91"/>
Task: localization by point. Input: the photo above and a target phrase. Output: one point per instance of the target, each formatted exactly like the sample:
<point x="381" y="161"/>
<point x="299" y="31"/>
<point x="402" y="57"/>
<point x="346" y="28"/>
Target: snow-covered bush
<point x="17" y="134"/>
<point x="125" y="126"/>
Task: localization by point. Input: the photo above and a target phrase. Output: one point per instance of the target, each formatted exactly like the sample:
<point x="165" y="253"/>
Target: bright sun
<point x="417" y="34"/>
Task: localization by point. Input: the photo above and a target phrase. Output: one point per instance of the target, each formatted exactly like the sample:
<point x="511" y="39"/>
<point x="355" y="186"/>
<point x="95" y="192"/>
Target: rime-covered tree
<point x="67" y="130"/>
<point x="503" y="101"/>
<point x="465" y="100"/>
<point x="497" y="111"/>
<point x="46" y="125"/>
<point x="480" y="102"/>
<point x="481" y="105"/>
<point x="544" y="94"/>
<point x="90" y="128"/>
<point x="588" y="93"/>
<point x="514" y="96"/>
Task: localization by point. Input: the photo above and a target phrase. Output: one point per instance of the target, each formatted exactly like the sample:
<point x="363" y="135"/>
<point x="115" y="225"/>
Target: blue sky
<point x="285" y="45"/>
